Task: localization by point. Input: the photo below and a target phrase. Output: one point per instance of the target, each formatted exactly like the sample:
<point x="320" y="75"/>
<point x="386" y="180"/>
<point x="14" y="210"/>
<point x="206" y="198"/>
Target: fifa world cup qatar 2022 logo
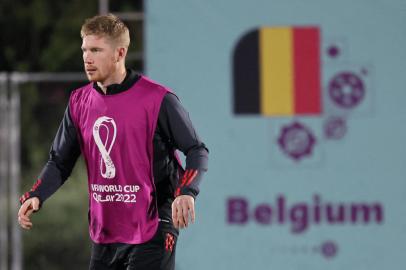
<point x="106" y="126"/>
<point x="292" y="74"/>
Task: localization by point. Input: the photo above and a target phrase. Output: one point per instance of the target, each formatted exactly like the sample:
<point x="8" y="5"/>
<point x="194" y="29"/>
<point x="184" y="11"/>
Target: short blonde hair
<point x="109" y="26"/>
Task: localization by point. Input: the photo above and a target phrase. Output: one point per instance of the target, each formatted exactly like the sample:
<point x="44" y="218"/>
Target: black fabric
<point x="130" y="78"/>
<point x="156" y="254"/>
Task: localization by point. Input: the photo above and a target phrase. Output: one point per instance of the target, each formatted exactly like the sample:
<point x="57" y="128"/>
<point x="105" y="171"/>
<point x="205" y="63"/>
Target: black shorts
<point x="156" y="254"/>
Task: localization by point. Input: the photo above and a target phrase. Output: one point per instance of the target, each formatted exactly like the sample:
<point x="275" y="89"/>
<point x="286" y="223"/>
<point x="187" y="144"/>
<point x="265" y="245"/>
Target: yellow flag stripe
<point x="276" y="71"/>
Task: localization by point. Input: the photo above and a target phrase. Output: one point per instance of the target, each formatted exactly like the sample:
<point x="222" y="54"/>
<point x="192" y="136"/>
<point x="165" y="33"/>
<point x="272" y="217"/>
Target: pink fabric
<point x="116" y="135"/>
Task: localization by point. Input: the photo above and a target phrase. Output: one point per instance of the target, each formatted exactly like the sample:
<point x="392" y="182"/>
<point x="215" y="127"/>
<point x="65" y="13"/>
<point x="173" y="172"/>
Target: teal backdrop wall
<point x="325" y="191"/>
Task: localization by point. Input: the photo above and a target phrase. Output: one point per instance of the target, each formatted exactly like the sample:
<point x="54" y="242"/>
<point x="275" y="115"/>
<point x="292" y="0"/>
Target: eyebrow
<point x="91" y="48"/>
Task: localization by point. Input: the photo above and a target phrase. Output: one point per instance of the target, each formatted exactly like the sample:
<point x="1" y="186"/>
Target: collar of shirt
<point x="129" y="80"/>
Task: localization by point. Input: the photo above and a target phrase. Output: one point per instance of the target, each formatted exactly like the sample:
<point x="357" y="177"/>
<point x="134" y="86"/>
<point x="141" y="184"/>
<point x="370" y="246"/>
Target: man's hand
<point x="183" y="211"/>
<point x="26" y="209"/>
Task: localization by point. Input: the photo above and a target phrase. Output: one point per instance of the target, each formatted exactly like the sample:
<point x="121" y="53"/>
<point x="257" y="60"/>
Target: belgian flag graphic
<point x="277" y="72"/>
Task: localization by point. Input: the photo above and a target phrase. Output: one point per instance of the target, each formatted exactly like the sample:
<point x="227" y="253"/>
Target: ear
<point x="121" y="53"/>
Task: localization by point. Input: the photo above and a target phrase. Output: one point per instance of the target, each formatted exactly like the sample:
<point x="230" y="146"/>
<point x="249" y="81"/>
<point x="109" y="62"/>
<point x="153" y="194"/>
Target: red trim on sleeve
<point x="186" y="180"/>
<point x="26" y="195"/>
<point x="36" y="185"/>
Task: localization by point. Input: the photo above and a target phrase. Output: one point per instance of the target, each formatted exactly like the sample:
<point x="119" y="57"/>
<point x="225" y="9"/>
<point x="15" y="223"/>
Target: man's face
<point x="99" y="58"/>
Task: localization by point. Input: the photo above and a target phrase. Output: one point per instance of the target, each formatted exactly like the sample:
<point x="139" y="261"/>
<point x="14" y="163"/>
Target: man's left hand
<point x="183" y="211"/>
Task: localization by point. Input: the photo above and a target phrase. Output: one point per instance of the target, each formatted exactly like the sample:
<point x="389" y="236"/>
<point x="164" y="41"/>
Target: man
<point x="128" y="128"/>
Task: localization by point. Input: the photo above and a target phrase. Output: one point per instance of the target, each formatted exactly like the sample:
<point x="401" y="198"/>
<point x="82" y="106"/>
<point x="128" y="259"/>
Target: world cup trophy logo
<point x="107" y="124"/>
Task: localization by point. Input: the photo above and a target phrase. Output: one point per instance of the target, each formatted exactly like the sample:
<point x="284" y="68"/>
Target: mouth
<point x="90" y="69"/>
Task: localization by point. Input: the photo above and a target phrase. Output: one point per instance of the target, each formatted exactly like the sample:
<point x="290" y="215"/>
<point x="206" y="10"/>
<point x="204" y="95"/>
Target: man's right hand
<point x="27" y="208"/>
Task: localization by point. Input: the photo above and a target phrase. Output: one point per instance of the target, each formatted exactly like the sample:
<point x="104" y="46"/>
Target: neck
<point x="116" y="77"/>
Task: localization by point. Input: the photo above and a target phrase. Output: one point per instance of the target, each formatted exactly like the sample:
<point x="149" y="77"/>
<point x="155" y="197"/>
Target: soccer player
<point x="127" y="127"/>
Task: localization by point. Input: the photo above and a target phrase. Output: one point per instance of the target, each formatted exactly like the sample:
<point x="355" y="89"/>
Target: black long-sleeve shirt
<point x="174" y="131"/>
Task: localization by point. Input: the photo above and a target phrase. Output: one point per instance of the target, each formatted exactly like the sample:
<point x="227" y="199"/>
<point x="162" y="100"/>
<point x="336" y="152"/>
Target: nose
<point x="86" y="58"/>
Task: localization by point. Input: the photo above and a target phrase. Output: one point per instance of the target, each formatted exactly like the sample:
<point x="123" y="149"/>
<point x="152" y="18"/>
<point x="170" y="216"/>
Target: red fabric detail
<point x="192" y="177"/>
<point x="36" y="185"/>
<point x="186" y="180"/>
<point x="169" y="242"/>
<point x="177" y="193"/>
<point x="26" y="195"/>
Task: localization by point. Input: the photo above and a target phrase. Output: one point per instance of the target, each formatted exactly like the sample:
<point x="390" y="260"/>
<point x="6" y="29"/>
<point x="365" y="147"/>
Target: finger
<point x="175" y="215"/>
<point x="35" y="204"/>
<point x="26" y="223"/>
<point x="185" y="214"/>
<point x="23" y="208"/>
<point x="192" y="212"/>
<point x="179" y="210"/>
<point x="29" y="212"/>
<point x="26" y="226"/>
<point x="181" y="222"/>
<point x="23" y="218"/>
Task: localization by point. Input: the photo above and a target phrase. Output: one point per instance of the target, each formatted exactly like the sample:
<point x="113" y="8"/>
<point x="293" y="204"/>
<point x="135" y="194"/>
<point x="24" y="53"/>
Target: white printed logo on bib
<point x="107" y="168"/>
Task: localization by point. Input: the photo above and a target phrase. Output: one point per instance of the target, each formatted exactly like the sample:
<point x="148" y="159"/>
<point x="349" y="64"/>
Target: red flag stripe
<point x="306" y="51"/>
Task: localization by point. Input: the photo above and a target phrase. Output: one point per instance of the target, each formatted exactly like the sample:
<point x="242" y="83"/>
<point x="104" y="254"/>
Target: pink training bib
<point x="116" y="136"/>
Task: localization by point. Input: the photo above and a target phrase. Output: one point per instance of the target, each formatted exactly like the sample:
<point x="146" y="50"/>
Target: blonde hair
<point x="109" y="26"/>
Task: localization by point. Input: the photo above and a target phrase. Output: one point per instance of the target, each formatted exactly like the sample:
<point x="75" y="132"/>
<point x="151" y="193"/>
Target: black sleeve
<point x="174" y="122"/>
<point x="63" y="155"/>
